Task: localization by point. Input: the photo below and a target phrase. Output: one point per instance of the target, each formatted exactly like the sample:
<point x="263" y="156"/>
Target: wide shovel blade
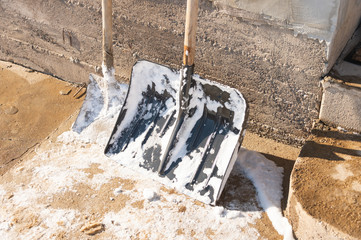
<point x="102" y="94"/>
<point x="147" y="117"/>
<point x="207" y="141"/>
<point x="192" y="150"/>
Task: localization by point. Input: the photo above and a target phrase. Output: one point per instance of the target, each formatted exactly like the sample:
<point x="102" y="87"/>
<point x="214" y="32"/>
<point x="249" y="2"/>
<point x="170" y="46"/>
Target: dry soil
<point x="32" y="105"/>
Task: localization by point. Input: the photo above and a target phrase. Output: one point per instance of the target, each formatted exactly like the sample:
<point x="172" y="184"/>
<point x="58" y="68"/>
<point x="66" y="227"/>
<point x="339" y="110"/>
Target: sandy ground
<point x="44" y="202"/>
<point x="31" y="107"/>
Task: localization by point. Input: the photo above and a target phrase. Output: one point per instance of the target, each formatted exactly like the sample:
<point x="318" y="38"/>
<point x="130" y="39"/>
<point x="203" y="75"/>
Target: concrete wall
<point x="349" y="18"/>
<point x="277" y="72"/>
<point x="317" y="19"/>
<point x="332" y="21"/>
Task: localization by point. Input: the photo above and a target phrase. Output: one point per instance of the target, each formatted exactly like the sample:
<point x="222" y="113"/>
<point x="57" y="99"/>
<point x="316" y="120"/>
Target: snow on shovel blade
<point x="92" y="105"/>
<point x="208" y="135"/>
<point x="145" y="122"/>
<point x="102" y="93"/>
<point x="207" y="142"/>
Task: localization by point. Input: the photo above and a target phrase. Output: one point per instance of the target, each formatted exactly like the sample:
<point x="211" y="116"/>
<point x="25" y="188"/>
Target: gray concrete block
<point x="341" y="105"/>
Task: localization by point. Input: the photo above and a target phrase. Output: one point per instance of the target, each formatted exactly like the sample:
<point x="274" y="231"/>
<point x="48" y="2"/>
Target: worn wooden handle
<point x="107" y="33"/>
<point x="190" y="32"/>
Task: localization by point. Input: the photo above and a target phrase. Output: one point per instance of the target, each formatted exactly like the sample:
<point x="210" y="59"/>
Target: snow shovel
<point x="102" y="92"/>
<point x="185" y="129"/>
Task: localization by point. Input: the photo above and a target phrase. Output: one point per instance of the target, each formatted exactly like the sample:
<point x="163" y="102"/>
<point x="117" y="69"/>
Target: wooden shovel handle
<point x="190" y="32"/>
<point x="107" y="33"/>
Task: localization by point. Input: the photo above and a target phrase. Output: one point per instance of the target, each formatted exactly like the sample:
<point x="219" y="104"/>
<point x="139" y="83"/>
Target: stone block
<point x="341" y="105"/>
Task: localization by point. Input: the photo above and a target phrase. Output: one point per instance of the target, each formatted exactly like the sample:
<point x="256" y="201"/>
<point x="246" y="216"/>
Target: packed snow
<point x="69" y="185"/>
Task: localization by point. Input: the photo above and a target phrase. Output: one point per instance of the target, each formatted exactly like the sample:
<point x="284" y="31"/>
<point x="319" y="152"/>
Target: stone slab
<point x="325" y="186"/>
<point x="341" y="105"/>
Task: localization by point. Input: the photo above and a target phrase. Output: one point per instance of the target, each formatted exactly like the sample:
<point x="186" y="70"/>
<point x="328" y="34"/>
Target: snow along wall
<point x="259" y="54"/>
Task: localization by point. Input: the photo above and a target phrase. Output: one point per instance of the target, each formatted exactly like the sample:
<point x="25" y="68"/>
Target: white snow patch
<point x="57" y="178"/>
<point x="5" y="226"/>
<point x="118" y="191"/>
<point x="231" y="214"/>
<point x="2" y="193"/>
<point x="24" y="197"/>
<point x="58" y="218"/>
<point x="267" y="178"/>
<point x="150" y="194"/>
<point x="219" y="211"/>
<point x="341" y="129"/>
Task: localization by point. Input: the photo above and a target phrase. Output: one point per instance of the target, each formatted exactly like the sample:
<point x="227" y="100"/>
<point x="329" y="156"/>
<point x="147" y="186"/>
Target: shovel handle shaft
<point x="107" y="33"/>
<point x="190" y="32"/>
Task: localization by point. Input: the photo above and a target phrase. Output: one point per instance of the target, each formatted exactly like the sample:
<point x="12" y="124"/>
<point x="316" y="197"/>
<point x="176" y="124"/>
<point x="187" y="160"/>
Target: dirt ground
<point x="32" y="105"/>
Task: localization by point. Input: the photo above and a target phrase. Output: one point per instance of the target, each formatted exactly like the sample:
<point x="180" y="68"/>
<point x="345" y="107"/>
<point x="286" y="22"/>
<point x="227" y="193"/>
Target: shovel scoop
<point x="184" y="130"/>
<point x="103" y="93"/>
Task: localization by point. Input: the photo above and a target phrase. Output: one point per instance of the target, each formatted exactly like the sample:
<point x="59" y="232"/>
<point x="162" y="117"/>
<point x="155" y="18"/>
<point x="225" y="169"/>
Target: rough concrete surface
<point x="277" y="72"/>
<point x="341" y="105"/>
<point x="325" y="186"/>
